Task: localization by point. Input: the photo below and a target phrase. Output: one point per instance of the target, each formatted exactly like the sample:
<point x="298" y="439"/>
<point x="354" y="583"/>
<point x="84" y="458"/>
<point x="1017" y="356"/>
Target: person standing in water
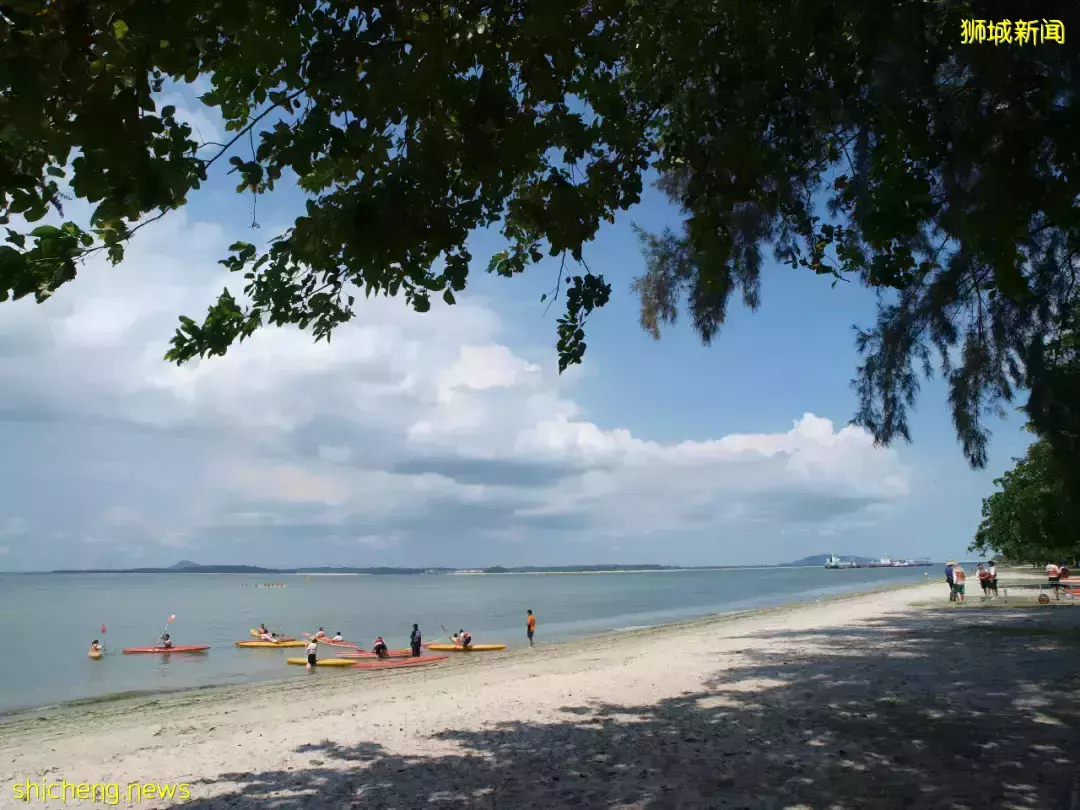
<point x="530" y="626"/>
<point x="415" y="640"/>
<point x="312" y="653"/>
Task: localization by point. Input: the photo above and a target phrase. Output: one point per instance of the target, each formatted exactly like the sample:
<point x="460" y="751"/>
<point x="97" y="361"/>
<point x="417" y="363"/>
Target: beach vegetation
<point x="1032" y="515"/>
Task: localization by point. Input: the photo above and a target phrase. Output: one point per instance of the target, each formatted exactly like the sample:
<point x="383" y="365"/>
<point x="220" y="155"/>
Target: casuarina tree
<point x="927" y="150"/>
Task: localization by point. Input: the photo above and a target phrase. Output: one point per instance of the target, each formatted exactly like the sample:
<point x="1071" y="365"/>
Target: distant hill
<point x="820" y="559"/>
<point x="189" y="567"/>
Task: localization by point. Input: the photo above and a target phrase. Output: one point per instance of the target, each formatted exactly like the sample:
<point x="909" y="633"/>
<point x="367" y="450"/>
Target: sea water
<point x="47" y="621"/>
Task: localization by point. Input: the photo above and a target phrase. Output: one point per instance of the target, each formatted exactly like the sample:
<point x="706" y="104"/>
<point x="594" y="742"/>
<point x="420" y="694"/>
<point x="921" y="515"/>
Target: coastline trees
<point x="862" y="142"/>
<point x="1032" y="517"/>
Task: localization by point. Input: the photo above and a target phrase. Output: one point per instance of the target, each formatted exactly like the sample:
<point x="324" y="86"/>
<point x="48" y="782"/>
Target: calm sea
<point x="48" y="621"/>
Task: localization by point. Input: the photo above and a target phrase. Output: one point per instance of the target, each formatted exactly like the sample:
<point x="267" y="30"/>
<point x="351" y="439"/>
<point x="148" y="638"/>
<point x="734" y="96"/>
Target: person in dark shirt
<point x="415" y="640"/>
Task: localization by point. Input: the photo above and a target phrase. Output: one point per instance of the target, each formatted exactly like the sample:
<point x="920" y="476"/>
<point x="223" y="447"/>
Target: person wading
<point x="415" y="641"/>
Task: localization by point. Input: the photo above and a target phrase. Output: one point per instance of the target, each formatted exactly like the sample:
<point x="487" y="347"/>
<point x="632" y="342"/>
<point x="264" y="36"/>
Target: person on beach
<point x="959" y="581"/>
<point x="530" y="626"/>
<point x="992" y="579"/>
<point x="465" y="639"/>
<point x="380" y="649"/>
<point x="415" y="641"/>
<point x="166" y="640"/>
<point x="984" y="579"/>
<point x="949" y="580"/>
<point x="312" y="653"/>
<point x="1053" y="573"/>
<point x="338" y="636"/>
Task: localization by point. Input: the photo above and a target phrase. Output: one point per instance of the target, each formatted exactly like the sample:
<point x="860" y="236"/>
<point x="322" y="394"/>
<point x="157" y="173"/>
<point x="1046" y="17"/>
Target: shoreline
<point x="130" y="700"/>
<point x="840" y="701"/>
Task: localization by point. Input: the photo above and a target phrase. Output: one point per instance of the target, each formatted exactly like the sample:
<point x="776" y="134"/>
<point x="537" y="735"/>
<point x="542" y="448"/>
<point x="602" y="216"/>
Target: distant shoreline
<point x="391" y="571"/>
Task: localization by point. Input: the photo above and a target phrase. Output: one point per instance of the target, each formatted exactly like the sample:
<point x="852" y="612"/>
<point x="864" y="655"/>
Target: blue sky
<point x="448" y="438"/>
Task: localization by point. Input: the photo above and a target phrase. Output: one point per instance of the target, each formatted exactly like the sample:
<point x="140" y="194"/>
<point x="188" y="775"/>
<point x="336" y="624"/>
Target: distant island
<point x="189" y="567"/>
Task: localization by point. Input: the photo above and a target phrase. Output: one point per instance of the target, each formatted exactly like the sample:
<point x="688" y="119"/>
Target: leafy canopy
<point x="1032" y="518"/>
<point x="860" y="141"/>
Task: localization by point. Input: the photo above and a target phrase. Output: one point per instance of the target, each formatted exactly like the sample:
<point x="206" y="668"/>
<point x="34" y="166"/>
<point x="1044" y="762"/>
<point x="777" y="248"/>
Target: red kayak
<point x="366" y="654"/>
<point x="405" y="662"/>
<point x="192" y="648"/>
<point x="330" y="643"/>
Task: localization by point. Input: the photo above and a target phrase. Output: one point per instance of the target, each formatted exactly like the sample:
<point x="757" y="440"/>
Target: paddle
<point x="103" y="638"/>
<point x="449" y="637"/>
<point x="160" y="637"/>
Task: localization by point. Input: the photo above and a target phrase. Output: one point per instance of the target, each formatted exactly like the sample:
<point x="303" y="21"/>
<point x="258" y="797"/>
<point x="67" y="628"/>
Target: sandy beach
<point x="883" y="700"/>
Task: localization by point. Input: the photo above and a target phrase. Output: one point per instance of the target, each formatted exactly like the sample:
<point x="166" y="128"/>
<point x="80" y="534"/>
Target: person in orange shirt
<point x="959" y="580"/>
<point x="530" y="626"/>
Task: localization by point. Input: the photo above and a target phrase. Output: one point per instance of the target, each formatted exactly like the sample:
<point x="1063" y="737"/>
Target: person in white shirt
<point x="337" y="636"/>
<point x="312" y="653"/>
<point x="991" y="583"/>
<point x="1054" y="575"/>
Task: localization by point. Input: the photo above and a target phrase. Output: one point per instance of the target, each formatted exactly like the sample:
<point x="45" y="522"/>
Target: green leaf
<point x="120" y="29"/>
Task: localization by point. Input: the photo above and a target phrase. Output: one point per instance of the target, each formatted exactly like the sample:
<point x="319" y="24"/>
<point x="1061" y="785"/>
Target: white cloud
<point x="375" y="542"/>
<point x="205" y="126"/>
<point x="404" y="429"/>
<point x="335" y="455"/>
<point x="14" y="527"/>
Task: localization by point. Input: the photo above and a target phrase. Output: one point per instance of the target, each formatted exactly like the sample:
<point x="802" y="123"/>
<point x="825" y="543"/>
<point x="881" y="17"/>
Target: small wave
<point x="633" y="627"/>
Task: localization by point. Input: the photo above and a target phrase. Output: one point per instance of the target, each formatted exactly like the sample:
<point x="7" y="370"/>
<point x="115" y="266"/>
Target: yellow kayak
<point x="271" y="644"/>
<point x="323" y="662"/>
<point x="95" y="655"/>
<point x="470" y="648"/>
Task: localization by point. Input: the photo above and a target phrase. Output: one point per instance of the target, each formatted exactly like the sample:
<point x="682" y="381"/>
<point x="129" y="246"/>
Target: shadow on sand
<point x="940" y="710"/>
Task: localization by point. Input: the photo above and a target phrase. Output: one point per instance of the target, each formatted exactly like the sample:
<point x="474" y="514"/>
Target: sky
<point x="449" y="438"/>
